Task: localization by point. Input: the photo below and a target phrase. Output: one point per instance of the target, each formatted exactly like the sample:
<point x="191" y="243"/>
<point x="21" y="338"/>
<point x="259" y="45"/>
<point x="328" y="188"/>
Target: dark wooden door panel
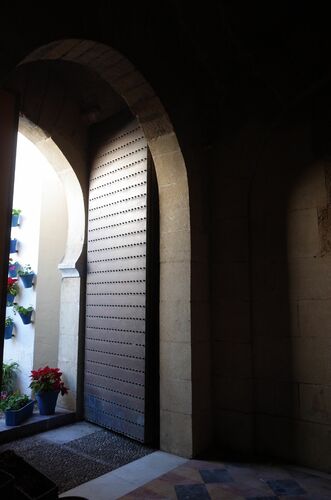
<point x="107" y="357"/>
<point x="117" y="388"/>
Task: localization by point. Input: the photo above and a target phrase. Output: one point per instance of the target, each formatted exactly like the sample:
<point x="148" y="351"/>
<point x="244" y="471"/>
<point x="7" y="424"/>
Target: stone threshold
<point x="35" y="424"/>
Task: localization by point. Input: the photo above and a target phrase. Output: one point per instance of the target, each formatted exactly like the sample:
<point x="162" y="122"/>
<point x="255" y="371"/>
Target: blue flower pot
<point x="27" y="280"/>
<point x="15" y="417"/>
<point x="10" y="299"/>
<point x="13" y="246"/>
<point x="26" y="318"/>
<point x="9" y="331"/>
<point x="15" y="220"/>
<point x="12" y="271"/>
<point x="47" y="402"/>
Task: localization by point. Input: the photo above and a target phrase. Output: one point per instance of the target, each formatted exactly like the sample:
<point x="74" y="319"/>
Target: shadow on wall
<point x="291" y="292"/>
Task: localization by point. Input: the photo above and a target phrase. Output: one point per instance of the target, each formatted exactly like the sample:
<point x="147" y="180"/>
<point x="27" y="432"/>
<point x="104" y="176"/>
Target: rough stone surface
<point x="75" y="462"/>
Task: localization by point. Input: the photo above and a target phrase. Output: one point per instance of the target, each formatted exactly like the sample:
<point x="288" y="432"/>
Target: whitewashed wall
<point x="42" y="239"/>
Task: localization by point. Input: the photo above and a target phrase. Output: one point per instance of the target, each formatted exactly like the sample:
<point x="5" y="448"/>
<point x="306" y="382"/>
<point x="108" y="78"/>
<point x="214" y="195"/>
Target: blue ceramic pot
<point x="26" y="318"/>
<point x="15" y="417"/>
<point x="13" y="246"/>
<point x="12" y="272"/>
<point x="9" y="331"/>
<point x="10" y="299"/>
<point x="47" y="402"/>
<point x="27" y="280"/>
<point x="14" y="220"/>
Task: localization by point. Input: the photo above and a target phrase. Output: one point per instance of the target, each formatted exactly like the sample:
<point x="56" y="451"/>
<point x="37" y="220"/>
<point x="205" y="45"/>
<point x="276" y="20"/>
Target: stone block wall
<point x="272" y="295"/>
<point x="232" y="375"/>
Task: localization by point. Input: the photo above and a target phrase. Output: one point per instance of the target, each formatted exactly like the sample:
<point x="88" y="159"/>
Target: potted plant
<point x="47" y="384"/>
<point x="15" y="217"/>
<point x="12" y="290"/>
<point x="13" y="245"/>
<point x="9" y="325"/>
<point x="26" y="274"/>
<point x="17" y="408"/>
<point x="9" y="376"/>
<point x="24" y="312"/>
<point x="13" y="268"/>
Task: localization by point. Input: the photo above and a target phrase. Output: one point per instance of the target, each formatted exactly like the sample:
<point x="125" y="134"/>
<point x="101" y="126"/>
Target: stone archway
<point x="175" y="241"/>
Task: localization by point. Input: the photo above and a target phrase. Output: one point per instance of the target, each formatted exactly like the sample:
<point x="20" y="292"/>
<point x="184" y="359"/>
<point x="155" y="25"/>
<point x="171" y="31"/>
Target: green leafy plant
<point x="14" y="401"/>
<point x="22" y="309"/>
<point x="9" y="375"/>
<point x="24" y="270"/>
<point x="9" y="321"/>
<point x="16" y="211"/>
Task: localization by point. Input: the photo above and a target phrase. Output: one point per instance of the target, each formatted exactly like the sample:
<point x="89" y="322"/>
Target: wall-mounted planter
<point x="10" y="299"/>
<point x="9" y="331"/>
<point x="15" y="220"/>
<point x="27" y="280"/>
<point x="26" y="317"/>
<point x="13" y="245"/>
<point x="15" y="417"/>
<point x="24" y="312"/>
<point x="13" y="268"/>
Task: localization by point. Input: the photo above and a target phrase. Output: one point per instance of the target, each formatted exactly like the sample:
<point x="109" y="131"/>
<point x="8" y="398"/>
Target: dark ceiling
<point x="214" y="62"/>
<point x="95" y="98"/>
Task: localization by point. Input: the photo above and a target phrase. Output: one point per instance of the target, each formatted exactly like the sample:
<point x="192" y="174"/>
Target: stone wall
<point x="272" y="295"/>
<point x="232" y="370"/>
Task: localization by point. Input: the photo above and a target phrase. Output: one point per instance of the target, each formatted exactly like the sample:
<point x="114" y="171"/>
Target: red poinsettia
<point x="12" y="286"/>
<point x="47" y="379"/>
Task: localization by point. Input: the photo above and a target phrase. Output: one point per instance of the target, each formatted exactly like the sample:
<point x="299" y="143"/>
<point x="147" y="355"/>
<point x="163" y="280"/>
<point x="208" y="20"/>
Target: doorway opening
<point x="67" y="88"/>
<point x="46" y="240"/>
<point x="38" y="241"/>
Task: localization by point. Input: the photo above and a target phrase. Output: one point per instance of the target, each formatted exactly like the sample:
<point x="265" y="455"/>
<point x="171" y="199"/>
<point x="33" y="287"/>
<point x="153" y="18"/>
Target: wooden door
<point x="121" y="343"/>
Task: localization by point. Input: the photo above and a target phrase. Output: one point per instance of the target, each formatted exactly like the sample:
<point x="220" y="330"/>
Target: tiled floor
<point x="209" y="480"/>
<point x="160" y="475"/>
<point x="201" y="480"/>
<point x="125" y="479"/>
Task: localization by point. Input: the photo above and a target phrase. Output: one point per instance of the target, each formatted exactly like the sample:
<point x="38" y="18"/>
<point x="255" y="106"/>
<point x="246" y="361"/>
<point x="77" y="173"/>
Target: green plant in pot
<point x="9" y="325"/>
<point x="24" y="312"/>
<point x="14" y="401"/>
<point x="15" y="217"/>
<point x="16" y="407"/>
<point x="26" y="274"/>
<point x="47" y="384"/>
<point x="9" y="377"/>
